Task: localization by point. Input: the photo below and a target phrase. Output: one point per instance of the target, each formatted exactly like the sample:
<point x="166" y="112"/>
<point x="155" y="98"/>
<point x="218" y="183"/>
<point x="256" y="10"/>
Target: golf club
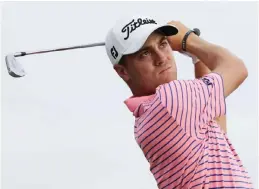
<point x="15" y="69"/>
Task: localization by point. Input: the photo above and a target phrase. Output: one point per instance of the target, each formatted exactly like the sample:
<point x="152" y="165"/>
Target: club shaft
<point x="59" y="49"/>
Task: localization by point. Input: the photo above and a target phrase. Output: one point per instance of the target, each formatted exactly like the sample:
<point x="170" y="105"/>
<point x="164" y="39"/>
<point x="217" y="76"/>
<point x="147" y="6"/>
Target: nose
<point x="160" y="58"/>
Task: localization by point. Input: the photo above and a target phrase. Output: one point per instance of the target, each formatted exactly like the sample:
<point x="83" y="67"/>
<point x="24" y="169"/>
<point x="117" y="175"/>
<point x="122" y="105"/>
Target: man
<point x="176" y="120"/>
<point x="200" y="69"/>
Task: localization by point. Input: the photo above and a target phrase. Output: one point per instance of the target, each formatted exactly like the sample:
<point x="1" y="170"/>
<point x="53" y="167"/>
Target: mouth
<point x="164" y="70"/>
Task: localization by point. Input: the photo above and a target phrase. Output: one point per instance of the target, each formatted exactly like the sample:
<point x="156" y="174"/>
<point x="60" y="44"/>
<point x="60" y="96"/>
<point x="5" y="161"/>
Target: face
<point x="150" y="67"/>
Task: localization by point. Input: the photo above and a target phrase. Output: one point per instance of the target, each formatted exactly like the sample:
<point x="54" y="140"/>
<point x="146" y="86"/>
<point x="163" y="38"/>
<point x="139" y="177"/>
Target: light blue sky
<point x="60" y="131"/>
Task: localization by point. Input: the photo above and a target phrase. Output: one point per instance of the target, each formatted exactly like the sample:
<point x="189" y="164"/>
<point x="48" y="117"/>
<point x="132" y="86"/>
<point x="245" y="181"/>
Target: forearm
<point x="219" y="60"/>
<point x="211" y="55"/>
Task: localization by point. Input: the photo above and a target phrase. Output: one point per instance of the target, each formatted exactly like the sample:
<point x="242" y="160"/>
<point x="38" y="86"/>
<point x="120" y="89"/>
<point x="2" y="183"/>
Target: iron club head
<point x="14" y="67"/>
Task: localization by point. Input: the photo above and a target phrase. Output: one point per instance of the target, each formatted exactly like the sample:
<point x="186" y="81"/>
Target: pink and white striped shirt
<point x="185" y="147"/>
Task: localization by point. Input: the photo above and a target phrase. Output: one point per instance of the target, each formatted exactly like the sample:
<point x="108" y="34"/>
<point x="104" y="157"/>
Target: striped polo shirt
<point x="184" y="145"/>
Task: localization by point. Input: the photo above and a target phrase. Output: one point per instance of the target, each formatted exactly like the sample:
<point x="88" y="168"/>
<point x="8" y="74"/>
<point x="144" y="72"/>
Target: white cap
<point x="129" y="35"/>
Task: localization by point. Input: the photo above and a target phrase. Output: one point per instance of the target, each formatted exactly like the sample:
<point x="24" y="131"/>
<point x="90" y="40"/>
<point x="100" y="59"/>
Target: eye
<point x="144" y="53"/>
<point x="163" y="44"/>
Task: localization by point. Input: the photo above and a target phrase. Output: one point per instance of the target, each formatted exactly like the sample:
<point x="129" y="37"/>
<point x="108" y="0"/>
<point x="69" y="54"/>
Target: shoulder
<point x="208" y="79"/>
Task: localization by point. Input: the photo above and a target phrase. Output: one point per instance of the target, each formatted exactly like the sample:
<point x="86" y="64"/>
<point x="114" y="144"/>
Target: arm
<point x="219" y="60"/>
<point x="216" y="58"/>
<point x="201" y="70"/>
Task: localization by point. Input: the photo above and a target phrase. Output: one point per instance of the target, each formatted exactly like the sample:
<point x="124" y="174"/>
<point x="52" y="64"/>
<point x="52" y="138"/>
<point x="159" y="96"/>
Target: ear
<point x="122" y="72"/>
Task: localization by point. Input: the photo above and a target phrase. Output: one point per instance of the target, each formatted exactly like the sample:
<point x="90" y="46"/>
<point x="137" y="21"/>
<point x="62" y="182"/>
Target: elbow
<point x="242" y="71"/>
<point x="245" y="73"/>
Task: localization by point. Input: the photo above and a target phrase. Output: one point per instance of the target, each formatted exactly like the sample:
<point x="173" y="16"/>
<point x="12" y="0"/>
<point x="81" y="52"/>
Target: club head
<point x="14" y="68"/>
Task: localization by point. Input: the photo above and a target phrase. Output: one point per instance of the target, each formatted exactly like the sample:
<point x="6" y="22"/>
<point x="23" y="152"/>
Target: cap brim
<point x="167" y="30"/>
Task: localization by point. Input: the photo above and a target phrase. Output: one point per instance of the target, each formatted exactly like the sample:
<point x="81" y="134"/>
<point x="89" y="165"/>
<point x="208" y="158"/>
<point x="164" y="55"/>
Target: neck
<point x="139" y="93"/>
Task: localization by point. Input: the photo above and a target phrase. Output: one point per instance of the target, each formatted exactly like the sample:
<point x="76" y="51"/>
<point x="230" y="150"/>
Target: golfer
<point x="180" y="125"/>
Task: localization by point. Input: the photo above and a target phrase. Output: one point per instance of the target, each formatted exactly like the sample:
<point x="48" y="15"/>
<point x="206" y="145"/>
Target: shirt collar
<point x="133" y="102"/>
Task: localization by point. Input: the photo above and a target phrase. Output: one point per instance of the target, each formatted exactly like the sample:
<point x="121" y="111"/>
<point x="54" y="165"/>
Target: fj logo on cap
<point x="114" y="52"/>
<point x="130" y="27"/>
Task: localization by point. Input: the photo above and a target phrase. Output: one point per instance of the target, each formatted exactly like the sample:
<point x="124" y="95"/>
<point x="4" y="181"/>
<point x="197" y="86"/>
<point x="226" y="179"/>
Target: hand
<point x="175" y="41"/>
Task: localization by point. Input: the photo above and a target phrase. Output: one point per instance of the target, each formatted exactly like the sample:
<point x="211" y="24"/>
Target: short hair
<point x="122" y="61"/>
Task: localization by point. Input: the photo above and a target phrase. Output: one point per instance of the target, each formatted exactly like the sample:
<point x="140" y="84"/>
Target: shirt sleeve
<point x="193" y="103"/>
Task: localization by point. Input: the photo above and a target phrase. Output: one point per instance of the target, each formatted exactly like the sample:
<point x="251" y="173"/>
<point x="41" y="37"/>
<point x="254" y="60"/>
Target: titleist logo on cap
<point x="130" y="27"/>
